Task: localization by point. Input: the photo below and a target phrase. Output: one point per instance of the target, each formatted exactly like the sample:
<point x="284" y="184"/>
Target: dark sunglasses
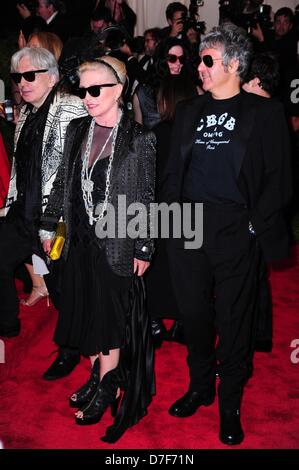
<point x="208" y="60"/>
<point x="94" y="90"/>
<point x="172" y="58"/>
<point x="28" y="76"/>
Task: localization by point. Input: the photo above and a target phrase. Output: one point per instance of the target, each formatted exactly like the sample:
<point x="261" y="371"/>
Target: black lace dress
<point x="94" y="298"/>
<point x="101" y="310"/>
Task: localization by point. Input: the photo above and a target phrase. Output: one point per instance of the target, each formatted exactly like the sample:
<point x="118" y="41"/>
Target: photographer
<point x="281" y="40"/>
<point x="176" y="13"/>
<point x="183" y="24"/>
<point x="122" y="14"/>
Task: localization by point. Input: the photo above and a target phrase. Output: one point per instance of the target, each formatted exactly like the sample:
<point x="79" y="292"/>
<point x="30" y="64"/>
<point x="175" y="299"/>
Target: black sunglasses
<point x="208" y="60"/>
<point x="94" y="90"/>
<point x="28" y="76"/>
<point x="172" y="58"/>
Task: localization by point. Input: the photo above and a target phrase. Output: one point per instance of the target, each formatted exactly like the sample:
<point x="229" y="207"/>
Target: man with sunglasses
<point x="39" y="142"/>
<point x="230" y="151"/>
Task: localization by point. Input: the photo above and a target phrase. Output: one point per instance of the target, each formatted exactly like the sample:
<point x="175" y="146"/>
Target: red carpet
<point x="35" y="413"/>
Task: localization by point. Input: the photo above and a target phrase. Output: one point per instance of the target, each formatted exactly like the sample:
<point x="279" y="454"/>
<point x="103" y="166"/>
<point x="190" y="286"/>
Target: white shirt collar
<point x="52" y="17"/>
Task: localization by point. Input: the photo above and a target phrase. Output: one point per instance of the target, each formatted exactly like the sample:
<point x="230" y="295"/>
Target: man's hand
<point x="140" y="266"/>
<point x="23" y="10"/>
<point x="177" y="28"/>
<point x="257" y="33"/>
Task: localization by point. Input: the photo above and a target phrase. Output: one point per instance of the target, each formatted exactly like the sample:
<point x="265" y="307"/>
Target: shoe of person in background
<point x="63" y="365"/>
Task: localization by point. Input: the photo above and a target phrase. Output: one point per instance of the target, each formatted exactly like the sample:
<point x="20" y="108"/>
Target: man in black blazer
<point x="230" y="151"/>
<point x="52" y="12"/>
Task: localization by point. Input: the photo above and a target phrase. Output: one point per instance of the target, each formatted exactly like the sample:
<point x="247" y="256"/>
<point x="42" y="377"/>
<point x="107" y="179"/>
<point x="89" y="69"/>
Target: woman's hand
<point x="21" y="40"/>
<point x="47" y="245"/>
<point x="140" y="266"/>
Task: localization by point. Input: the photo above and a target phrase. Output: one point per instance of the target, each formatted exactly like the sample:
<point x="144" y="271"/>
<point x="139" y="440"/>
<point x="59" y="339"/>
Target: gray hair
<point x="235" y="44"/>
<point x="39" y="57"/>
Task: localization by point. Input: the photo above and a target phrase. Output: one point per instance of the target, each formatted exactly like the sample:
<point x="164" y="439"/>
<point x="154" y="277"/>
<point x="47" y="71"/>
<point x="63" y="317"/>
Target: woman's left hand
<point x="140" y="266"/>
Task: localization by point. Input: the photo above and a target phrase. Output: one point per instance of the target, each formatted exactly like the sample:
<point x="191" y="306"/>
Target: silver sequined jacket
<point x="132" y="175"/>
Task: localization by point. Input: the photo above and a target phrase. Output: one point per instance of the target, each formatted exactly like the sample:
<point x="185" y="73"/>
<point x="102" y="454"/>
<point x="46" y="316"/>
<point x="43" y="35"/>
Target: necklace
<point x="86" y="181"/>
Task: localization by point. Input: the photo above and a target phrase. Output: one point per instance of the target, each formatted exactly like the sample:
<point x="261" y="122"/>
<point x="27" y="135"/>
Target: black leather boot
<point x="158" y="332"/>
<point x="85" y="393"/>
<point x="104" y="397"/>
<point x="176" y="332"/>
<point x="231" y="432"/>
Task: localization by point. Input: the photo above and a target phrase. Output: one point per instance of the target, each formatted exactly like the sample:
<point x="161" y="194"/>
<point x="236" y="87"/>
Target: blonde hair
<point x="49" y="41"/>
<point x="116" y="67"/>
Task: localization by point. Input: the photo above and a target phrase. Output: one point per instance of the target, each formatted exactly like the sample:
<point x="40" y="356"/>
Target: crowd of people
<point x="174" y="118"/>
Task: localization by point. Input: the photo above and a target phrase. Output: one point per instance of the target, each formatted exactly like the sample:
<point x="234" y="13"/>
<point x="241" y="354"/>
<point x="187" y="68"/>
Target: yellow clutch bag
<point x="58" y="243"/>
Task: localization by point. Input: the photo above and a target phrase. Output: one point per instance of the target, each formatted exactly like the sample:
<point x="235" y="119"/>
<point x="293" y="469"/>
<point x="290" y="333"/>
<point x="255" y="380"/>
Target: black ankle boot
<point x="158" y="332"/>
<point x="176" y="332"/>
<point x="231" y="432"/>
<point x="85" y="393"/>
<point x="104" y="397"/>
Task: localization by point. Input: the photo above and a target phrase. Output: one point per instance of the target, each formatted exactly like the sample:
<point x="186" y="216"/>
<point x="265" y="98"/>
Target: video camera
<point x="246" y="13"/>
<point x="262" y="17"/>
<point x="191" y="20"/>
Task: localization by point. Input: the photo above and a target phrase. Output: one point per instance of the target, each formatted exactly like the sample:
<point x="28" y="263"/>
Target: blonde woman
<point x="49" y="41"/>
<point x="107" y="156"/>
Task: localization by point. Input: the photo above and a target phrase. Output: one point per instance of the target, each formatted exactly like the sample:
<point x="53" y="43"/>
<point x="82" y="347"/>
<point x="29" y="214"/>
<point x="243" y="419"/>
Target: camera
<point x="262" y="17"/>
<point x="246" y="13"/>
<point x="191" y="20"/>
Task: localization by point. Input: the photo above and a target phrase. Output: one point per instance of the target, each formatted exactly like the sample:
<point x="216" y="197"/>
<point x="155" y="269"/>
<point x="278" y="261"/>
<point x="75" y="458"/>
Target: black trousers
<point x="216" y="288"/>
<point x="161" y="302"/>
<point x="264" y="327"/>
<point x="15" y="248"/>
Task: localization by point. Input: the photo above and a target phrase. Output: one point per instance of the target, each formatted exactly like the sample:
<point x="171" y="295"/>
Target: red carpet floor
<point x="35" y="413"/>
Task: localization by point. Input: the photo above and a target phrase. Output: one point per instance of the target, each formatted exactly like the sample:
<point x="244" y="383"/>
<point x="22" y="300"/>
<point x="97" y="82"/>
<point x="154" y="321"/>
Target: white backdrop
<point x="151" y="13"/>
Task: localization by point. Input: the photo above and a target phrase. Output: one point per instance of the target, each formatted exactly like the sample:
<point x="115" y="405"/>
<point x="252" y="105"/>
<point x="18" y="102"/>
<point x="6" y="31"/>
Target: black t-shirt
<point x="215" y="163"/>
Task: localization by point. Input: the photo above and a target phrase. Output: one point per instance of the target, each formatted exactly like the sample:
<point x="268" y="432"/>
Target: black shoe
<point x="9" y="331"/>
<point x="263" y="345"/>
<point x="63" y="365"/>
<point x="176" y="332"/>
<point x="189" y="404"/>
<point x="104" y="397"/>
<point x="231" y="432"/>
<point x="158" y="332"/>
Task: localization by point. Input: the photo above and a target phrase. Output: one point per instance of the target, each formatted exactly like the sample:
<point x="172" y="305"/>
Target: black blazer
<point x="132" y="174"/>
<point x="264" y="155"/>
<point x="59" y="26"/>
